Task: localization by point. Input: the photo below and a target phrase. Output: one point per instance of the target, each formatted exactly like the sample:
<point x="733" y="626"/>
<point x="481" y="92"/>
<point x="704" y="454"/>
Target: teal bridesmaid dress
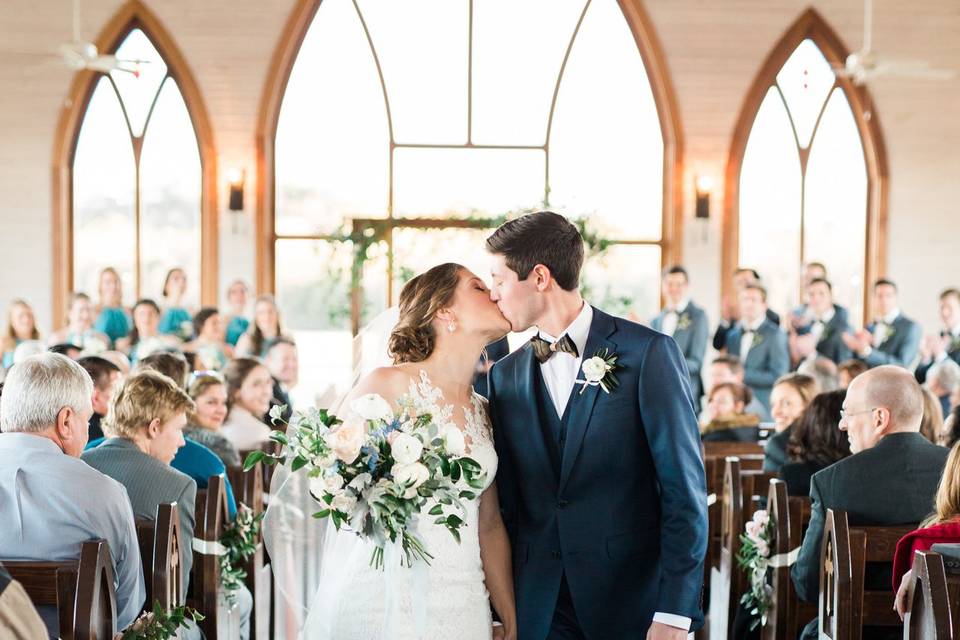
<point x="177" y="321"/>
<point x="114" y="323"/>
<point x="237" y="327"/>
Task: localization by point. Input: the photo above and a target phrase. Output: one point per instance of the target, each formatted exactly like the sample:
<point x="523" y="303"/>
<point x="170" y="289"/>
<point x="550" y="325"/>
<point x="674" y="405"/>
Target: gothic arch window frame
<point x="285" y="56"/>
<point x="132" y="15"/>
<point x="811" y="25"/>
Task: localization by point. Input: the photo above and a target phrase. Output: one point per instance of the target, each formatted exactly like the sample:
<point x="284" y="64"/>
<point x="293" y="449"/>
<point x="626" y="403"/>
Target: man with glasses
<point x="892" y="477"/>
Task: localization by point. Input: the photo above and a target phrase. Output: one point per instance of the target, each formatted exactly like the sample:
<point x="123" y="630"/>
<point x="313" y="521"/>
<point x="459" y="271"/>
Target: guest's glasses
<point x="844" y="414"/>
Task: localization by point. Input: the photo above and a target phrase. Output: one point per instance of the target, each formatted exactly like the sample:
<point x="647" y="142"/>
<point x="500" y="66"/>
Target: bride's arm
<point x="495" y="555"/>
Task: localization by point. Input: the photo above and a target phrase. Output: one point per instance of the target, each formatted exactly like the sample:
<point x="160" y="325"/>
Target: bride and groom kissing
<point x="592" y="522"/>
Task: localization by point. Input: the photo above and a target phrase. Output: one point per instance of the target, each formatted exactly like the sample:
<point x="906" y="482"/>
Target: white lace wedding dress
<point x="449" y="594"/>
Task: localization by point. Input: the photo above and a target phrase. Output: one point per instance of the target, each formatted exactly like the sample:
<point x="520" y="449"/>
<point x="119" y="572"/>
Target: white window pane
<point x="624" y="281"/>
<point x="606" y="146"/>
<point x="104" y="184"/>
<point x="458" y="182"/>
<point x="170" y="196"/>
<point x="513" y="82"/>
<point x="805" y="79"/>
<point x="138" y="92"/>
<point x="423" y="47"/>
<point x="770" y="203"/>
<point x="332" y="144"/>
<point x="417" y="250"/>
<point x="835" y="220"/>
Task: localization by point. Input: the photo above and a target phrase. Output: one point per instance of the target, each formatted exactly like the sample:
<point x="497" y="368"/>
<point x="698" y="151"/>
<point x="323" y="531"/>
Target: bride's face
<point x="474" y="312"/>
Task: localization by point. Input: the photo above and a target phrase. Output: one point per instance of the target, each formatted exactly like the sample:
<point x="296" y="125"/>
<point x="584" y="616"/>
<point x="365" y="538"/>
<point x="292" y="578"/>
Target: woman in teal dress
<point x="212" y="352"/>
<point x="113" y="320"/>
<point x="79" y="330"/>
<point x="237" y="321"/>
<point x="176" y="319"/>
<point x="145" y="337"/>
<point x="21" y="325"/>
<point x="265" y="328"/>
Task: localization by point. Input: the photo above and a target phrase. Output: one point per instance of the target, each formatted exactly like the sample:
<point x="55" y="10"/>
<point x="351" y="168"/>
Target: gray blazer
<point x="768" y="359"/>
<point x="149" y="483"/>
<point x="831" y="343"/>
<point x="900" y="347"/>
<point x="691" y="336"/>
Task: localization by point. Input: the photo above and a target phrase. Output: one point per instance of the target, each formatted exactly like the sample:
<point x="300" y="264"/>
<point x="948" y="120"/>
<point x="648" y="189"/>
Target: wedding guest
<point x="951" y="428"/>
<point x="71" y="351"/>
<point x="21" y="325"/>
<point x="79" y="330"/>
<point x="265" y="327"/>
<point x="790" y="397"/>
<point x="731" y="312"/>
<point x="823" y="370"/>
<point x="105" y="376"/>
<point x="145" y="337"/>
<point x="209" y="346"/>
<point x="760" y="344"/>
<point x="931" y="427"/>
<point x="249" y="389"/>
<point x="170" y="363"/>
<point x="176" y="319"/>
<point x="936" y="349"/>
<point x="50" y="501"/>
<point x="825" y="325"/>
<point x="282" y="363"/>
<point x="892" y="338"/>
<point x="208" y="391"/>
<point x="799" y="317"/>
<point x="816" y="442"/>
<point x="943" y="380"/>
<point x="729" y="369"/>
<point x="848" y="370"/>
<point x="112" y="319"/>
<point x="686" y="322"/>
<point x="237" y="321"/>
<point x="19" y="619"/>
<point x="726" y="419"/>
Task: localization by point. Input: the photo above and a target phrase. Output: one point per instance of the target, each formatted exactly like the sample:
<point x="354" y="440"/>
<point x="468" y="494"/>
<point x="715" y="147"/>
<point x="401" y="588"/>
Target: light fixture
<point x="703" y="185"/>
<point x="236" y="179"/>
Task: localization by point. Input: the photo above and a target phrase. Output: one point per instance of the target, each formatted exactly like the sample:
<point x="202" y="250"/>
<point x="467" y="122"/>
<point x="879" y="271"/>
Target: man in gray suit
<point x="760" y="344"/>
<point x="892" y="338"/>
<point x="50" y="501"/>
<point x="686" y="322"/>
<point x="820" y="330"/>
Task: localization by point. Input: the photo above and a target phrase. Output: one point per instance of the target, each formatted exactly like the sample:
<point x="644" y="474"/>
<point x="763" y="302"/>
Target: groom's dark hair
<point x="543" y="238"/>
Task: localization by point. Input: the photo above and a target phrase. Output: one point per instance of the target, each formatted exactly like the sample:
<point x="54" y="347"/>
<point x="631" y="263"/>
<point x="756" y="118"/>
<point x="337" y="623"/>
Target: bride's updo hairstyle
<point x="414" y="338"/>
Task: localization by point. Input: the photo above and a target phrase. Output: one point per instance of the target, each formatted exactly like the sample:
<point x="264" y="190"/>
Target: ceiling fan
<point x="864" y="64"/>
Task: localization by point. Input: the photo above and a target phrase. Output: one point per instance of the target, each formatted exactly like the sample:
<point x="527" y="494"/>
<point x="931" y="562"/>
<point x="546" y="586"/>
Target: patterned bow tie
<point x="543" y="350"/>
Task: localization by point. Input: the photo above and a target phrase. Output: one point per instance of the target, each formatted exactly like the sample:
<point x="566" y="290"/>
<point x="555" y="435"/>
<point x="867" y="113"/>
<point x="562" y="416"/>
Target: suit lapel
<point x="531" y="425"/>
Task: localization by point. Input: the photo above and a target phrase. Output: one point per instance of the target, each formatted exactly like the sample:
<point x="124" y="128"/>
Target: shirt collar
<point x="755" y="326"/>
<point x="828" y="316"/>
<point x="954" y="331"/>
<point x="890" y="317"/>
<point x="17" y="440"/>
<point x="578" y="330"/>
<point x="680" y="308"/>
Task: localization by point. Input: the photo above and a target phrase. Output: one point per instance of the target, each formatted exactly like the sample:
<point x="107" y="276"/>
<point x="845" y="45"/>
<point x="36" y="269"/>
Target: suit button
<point x="562" y="504"/>
<point x="555" y="555"/>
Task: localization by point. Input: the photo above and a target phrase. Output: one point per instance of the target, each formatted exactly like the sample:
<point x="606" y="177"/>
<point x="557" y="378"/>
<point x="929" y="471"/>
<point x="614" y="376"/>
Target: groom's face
<point x="515" y="297"/>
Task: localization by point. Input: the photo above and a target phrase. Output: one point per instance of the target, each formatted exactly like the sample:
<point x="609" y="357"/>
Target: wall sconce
<point x="703" y="186"/>
<point x="236" y="179"/>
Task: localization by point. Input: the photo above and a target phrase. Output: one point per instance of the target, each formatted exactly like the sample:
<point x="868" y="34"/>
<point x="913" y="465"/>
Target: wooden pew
<point x="248" y="489"/>
<point x="81" y="590"/>
<point x="206" y="593"/>
<point x="845" y="605"/>
<point x="929" y="612"/>
<point x="160" y="552"/>
<point x="790" y="516"/>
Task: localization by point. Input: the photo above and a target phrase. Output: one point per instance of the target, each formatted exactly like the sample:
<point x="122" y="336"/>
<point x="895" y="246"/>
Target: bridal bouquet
<point x="376" y="471"/>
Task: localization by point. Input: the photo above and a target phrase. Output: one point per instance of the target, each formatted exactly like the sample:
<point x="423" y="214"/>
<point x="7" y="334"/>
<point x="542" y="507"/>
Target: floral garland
<point x="159" y="624"/>
<point x="754" y="559"/>
<point x="239" y="541"/>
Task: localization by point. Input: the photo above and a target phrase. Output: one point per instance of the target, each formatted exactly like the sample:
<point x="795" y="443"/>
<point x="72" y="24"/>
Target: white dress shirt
<point x="746" y="340"/>
<point x="882" y="327"/>
<point x="819" y="325"/>
<point x="672" y="317"/>
<point x="954" y="335"/>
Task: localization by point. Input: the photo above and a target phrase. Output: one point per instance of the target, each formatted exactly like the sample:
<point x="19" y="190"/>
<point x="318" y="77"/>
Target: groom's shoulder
<point x="624" y="327"/>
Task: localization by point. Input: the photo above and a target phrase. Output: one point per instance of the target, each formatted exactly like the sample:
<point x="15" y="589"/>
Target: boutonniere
<point x="891" y="330"/>
<point x="954" y="345"/>
<point x="599" y="370"/>
<point x="684" y="322"/>
<point x="757" y="339"/>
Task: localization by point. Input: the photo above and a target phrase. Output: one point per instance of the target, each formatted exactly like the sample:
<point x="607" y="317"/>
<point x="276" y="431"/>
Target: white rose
<point x="334" y="482"/>
<point x="763" y="549"/>
<point x="406" y="449"/>
<point x="594" y="369"/>
<point x="372" y="407"/>
<point x="454" y="442"/>
<point x="318" y="487"/>
<point x="344" y="503"/>
<point x="411" y="476"/>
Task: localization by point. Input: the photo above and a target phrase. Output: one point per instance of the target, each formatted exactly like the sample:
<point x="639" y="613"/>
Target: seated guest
<point x="249" y="389"/>
<point x="822" y="334"/>
<point x="951" y="429"/>
<point x="760" y="344"/>
<point x="726" y="420"/>
<point x="848" y="370"/>
<point x="731" y="311"/>
<point x="816" y="442"/>
<point x="892" y="338"/>
<point x="931" y="427"/>
<point x="283" y="365"/>
<point x="176" y="320"/>
<point x="211" y="350"/>
<point x="237" y="322"/>
<point x="79" y="330"/>
<point x="19" y="619"/>
<point x="145" y="337"/>
<point x="686" y="322"/>
<point x="105" y="376"/>
<point x="21" y="326"/>
<point x="890" y="479"/>
<point x="50" y="501"/>
<point x="727" y="368"/>
<point x="265" y="327"/>
<point x="790" y="397"/>
<point x="209" y="394"/>
<point x="112" y="319"/>
<point x="491" y="353"/>
<point x="938" y="348"/>
<point x="821" y="369"/>
<point x="170" y="363"/>
<point x="71" y="351"/>
<point x="943" y="379"/>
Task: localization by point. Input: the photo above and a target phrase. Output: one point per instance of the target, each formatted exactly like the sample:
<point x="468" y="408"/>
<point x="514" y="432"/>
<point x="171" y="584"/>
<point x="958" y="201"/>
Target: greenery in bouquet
<point x="159" y="624"/>
<point x="754" y="559"/>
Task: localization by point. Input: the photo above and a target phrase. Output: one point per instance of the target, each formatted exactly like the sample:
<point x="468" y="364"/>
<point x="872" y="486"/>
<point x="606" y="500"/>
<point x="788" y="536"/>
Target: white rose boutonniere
<point x="599" y="371"/>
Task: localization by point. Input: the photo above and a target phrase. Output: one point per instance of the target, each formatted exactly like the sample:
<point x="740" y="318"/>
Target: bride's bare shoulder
<point x="389" y="382"/>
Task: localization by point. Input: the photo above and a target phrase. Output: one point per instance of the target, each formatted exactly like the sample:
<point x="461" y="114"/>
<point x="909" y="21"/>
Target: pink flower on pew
<point x="761" y="517"/>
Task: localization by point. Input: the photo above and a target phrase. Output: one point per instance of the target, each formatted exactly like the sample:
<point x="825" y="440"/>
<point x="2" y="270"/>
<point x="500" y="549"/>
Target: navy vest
<point x="554" y="427"/>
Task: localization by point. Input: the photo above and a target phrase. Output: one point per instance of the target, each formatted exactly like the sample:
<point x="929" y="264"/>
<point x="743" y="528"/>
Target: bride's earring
<point x="451" y="327"/>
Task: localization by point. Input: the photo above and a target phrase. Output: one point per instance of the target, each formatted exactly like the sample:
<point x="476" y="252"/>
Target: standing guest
<point x="729" y="369"/>
<point x="266" y="327"/>
<point x="892" y="338"/>
<point x="760" y="344"/>
<point x="848" y="370"/>
<point x="790" y="397"/>
<point x="816" y="442"/>
<point x="943" y="380"/>
<point x="731" y="312"/>
<point x="21" y="325"/>
<point x="249" y="390"/>
<point x="208" y="391"/>
<point x="284" y="366"/>
<point x="50" y="501"/>
<point x="726" y="419"/>
<point x="112" y="319"/>
<point x="145" y="337"/>
<point x="79" y="330"/>
<point x="105" y="376"/>
<point x="686" y="322"/>
<point x="946" y="345"/>
<point x="237" y="321"/>
<point x="176" y="319"/>
<point x="931" y="427"/>
<point x="19" y="619"/>
<point x="825" y="325"/>
<point x="800" y="317"/>
<point x="209" y="346"/>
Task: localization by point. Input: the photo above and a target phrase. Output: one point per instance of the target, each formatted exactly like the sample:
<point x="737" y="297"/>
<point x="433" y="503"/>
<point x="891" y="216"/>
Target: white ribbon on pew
<point x="208" y="547"/>
<point x="782" y="560"/>
<point x="711" y="499"/>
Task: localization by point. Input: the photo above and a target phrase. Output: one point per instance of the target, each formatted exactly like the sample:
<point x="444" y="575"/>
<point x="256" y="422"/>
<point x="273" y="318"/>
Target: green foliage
<point x="159" y="624"/>
<point x="239" y="540"/>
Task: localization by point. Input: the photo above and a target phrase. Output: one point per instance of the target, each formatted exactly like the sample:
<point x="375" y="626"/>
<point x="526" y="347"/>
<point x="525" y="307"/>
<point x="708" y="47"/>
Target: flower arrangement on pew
<point x="239" y="542"/>
<point x="754" y="558"/>
<point x="376" y="472"/>
<point x="159" y="624"/>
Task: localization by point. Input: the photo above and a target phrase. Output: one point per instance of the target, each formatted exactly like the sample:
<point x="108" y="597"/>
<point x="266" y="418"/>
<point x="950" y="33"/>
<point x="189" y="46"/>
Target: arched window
<point x="806" y="176"/>
<point x="416" y="123"/>
<point x="135" y="171"/>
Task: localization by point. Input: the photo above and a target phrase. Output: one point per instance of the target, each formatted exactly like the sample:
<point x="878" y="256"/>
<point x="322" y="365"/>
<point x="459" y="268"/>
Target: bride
<point x="446" y="319"/>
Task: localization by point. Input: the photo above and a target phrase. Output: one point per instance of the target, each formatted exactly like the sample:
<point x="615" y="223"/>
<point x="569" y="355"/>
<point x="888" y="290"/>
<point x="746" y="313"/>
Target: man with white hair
<point x="892" y="477"/>
<point x="943" y="378"/>
<point x="51" y="501"/>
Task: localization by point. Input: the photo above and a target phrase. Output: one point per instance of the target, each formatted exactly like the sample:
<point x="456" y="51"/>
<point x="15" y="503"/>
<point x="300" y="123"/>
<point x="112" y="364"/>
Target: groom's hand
<point x="660" y="631"/>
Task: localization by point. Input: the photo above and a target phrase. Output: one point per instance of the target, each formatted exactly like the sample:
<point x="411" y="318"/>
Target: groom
<point x="603" y="492"/>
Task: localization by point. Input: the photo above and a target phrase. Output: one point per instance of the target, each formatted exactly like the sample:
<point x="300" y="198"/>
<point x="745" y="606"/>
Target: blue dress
<point x="113" y="322"/>
<point x="8" y="356"/>
<point x="177" y="321"/>
<point x="237" y="327"/>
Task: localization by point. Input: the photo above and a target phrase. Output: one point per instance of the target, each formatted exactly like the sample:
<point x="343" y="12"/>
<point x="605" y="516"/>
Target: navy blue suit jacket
<point x="625" y="516"/>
